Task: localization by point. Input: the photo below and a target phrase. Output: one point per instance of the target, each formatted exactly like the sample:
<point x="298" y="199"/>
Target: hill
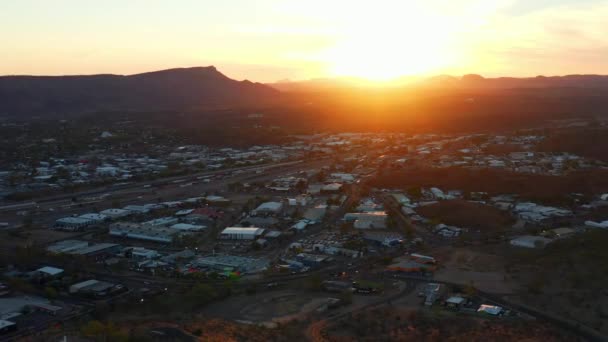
<point x="182" y="88"/>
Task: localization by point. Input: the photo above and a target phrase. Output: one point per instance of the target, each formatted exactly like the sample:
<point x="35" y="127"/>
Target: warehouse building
<point x="161" y="222"/>
<point x="141" y="232"/>
<point x="241" y="233"/>
<point x="94" y="218"/>
<point x="66" y="246"/>
<point x="231" y="263"/>
<point x="73" y="223"/>
<point x="95" y="288"/>
<point x="115" y="213"/>
<point x="186" y="227"/>
<point x="269" y="208"/>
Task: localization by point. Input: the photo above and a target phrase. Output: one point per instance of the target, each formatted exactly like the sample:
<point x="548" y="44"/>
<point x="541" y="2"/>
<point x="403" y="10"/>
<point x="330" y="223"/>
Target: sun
<point x="391" y="45"/>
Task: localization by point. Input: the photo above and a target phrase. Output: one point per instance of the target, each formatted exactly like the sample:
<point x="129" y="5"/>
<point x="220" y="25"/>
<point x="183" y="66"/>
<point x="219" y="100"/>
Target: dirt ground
<point x="42" y="237"/>
<point x="276" y="306"/>
<point x="466" y="266"/>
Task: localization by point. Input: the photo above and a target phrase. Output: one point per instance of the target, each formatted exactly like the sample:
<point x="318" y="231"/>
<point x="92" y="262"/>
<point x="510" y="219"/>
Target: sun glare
<point x="401" y="41"/>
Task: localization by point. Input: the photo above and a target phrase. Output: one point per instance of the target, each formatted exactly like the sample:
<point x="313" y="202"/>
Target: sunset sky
<point x="269" y="40"/>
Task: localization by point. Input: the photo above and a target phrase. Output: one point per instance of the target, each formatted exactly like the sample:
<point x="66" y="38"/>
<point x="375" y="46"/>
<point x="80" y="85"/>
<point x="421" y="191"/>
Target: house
<point x="331" y="188"/>
<point x="49" y="272"/>
<point x="369" y="224"/>
<point x="492" y="310"/>
<point x="315" y="214"/>
<point x="312" y="260"/>
<point x="269" y="208"/>
<point x="241" y="233"/>
<point x="141" y="253"/>
<point x="530" y="241"/>
<point x="432" y="292"/>
<point x="561" y="233"/>
<point x="368" y="216"/>
<point x="455" y="302"/>
<point x="107" y="171"/>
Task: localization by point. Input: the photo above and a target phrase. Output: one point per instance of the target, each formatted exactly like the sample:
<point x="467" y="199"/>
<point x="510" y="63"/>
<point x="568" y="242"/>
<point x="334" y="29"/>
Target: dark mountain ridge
<point x="180" y="88"/>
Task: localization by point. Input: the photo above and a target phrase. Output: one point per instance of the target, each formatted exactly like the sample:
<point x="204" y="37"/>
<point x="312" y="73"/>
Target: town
<point x="324" y="226"/>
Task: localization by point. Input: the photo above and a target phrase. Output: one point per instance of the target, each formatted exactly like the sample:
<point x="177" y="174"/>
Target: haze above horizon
<point x="269" y="40"/>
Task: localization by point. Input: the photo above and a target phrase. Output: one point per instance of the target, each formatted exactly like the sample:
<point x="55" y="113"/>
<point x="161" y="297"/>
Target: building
<point x="561" y="233"/>
<point x="367" y="216"/>
<point x="369" y="224"/>
<point x="231" y="263"/>
<point x="530" y="241"/>
<point x="455" y="302"/>
<point x="7" y="326"/>
<point x="492" y="310"/>
<point x="141" y="232"/>
<point x="312" y="260"/>
<point x="98" y="251"/>
<point x="95" y="288"/>
<point x="331" y="188"/>
<point x="95" y="218"/>
<point x="73" y="223"/>
<point x="49" y="272"/>
<point x="269" y="208"/>
<point x="432" y="292"/>
<point x="186" y="227"/>
<point x="66" y="246"/>
<point x="383" y="238"/>
<point x="77" y="247"/>
<point x="116" y="213"/>
<point x="316" y="214"/>
<point x="218" y="200"/>
<point x="141" y="253"/>
<point x="161" y="222"/>
<point x="241" y="233"/>
<point x="137" y="209"/>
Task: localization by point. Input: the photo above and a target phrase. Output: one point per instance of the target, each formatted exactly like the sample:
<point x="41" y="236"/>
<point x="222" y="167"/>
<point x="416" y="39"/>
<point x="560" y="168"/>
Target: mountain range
<point x="167" y="89"/>
<point x="207" y="88"/>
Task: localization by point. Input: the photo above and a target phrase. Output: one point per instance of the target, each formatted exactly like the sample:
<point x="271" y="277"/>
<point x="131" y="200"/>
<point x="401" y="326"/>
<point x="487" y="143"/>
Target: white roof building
<point x="188" y="227"/>
<point x="241" y="233"/>
<point x="49" y="271"/>
<point x="530" y="241"/>
<point x="97" y="218"/>
<point x="161" y="222"/>
<point x="115" y="213"/>
<point x="269" y="207"/>
<point x="490" y="309"/>
<point x="137" y="231"/>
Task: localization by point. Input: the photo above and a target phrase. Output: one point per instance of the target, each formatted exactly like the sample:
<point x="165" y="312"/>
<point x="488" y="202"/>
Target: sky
<point x="270" y="40"/>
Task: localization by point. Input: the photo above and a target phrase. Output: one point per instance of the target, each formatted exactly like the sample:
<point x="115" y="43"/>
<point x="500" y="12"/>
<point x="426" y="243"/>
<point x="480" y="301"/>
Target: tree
<point x="301" y="186"/>
<point x="50" y="293"/>
<point x="415" y="192"/>
<point x="201" y="294"/>
<point x="103" y="332"/>
<point x="470" y="289"/>
<point x="313" y="282"/>
<point x="27" y="222"/>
